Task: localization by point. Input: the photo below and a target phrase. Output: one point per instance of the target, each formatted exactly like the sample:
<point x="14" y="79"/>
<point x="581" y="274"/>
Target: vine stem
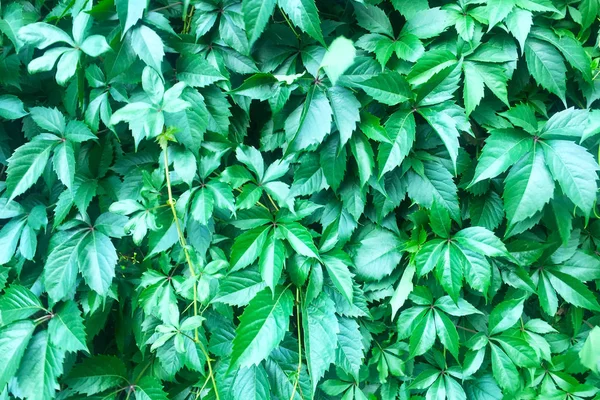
<point x="183" y="244"/>
<point x="299" y="344"/>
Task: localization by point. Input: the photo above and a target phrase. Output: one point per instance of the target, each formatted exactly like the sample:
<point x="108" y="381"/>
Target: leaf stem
<point x="167" y="6"/>
<point x="183" y="244"/>
<point x="272" y="202"/>
<point x="466" y="329"/>
<point x="299" y="344"/>
<point x="289" y="23"/>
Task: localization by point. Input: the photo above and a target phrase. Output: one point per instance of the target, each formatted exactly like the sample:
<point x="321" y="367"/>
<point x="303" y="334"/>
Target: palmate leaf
<point x="286" y="172"/>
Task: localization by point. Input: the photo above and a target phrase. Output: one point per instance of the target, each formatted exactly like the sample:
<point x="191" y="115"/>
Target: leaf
<point x="251" y="383"/>
<point x="449" y="270"/>
<point x="27" y="163"/>
<point x="423" y="336"/>
<point x="11" y="107"/>
<point x="401" y="128"/>
<point x="272" y="261"/>
<point x="196" y="71"/>
<point x="504" y="370"/>
<point x="345" y="110"/>
<point x="574" y="169"/>
<point x="150" y="388"/>
<point x="66" y="328"/>
<point x="42" y="365"/>
<point x="129" y="13"/>
<point x="546" y="66"/>
<point x="247" y="247"/>
<point x="309" y="123"/>
<point x="337" y="264"/>
<point x="262" y="327"/>
<point x="304" y="14"/>
<point x="14" y="339"/>
<point x="17" y="303"/>
<point x="482" y="241"/>
<point x="64" y="163"/>
<point x="96" y="258"/>
<point x="320" y="336"/>
<point x="238" y="288"/>
<point x="587" y="355"/>
<point x="376" y="254"/>
<point x="300" y="239"/>
<point x="502" y="149"/>
<point x="148" y="46"/>
<point x="256" y="16"/>
<point x="429" y="23"/>
<point x="349" y="353"/>
<point x="338" y="58"/>
<point x="528" y="187"/>
<point x="389" y="88"/>
<point x="373" y="19"/>
<point x="403" y="290"/>
<point x="505" y="315"/>
<point x="447" y="333"/>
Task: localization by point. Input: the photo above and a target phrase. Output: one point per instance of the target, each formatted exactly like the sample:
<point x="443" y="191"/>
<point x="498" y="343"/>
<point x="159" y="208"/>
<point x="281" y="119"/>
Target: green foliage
<point x="299" y="199"/>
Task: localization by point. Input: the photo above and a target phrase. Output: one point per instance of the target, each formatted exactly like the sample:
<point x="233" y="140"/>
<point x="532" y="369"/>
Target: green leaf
<point x="503" y="148"/>
<point x="336" y="263"/>
<point x="18" y="303"/>
<point x="403" y="290"/>
<point x="377" y="253"/>
<point x="262" y="327"/>
<point x="449" y="270"/>
<point x="401" y="128"/>
<point x="546" y="66"/>
<point x="423" y="336"/>
<point x="338" y="58"/>
<point x="320" y="327"/>
<point x="148" y="46"/>
<point x="149" y="388"/>
<point x="349" y="353"/>
<point x="373" y="19"/>
<point x="194" y="70"/>
<point x="27" y="163"/>
<point x="429" y="23"/>
<point x="309" y="123"/>
<point x="11" y="107"/>
<point x="42" y="365"/>
<point x="256" y="16"/>
<point x="345" y="109"/>
<point x="439" y="220"/>
<point x="304" y="14"/>
<point x="66" y="328"/>
<point x="248" y="246"/>
<point x="505" y="315"/>
<point x="447" y="333"/>
<point x="528" y="187"/>
<point x="60" y="273"/>
<point x="96" y="258"/>
<point x="575" y="170"/>
<point x="569" y="47"/>
<point x="14" y="339"/>
<point x="573" y="291"/>
<point x="299" y="238"/>
<point x="504" y="370"/>
<point x="129" y="13"/>
<point x="239" y="287"/>
<point x="389" y="88"/>
<point x="272" y="261"/>
<point x="482" y="241"/>
<point x="64" y="163"/>
<point x="588" y="355"/>
<point x="497" y="11"/>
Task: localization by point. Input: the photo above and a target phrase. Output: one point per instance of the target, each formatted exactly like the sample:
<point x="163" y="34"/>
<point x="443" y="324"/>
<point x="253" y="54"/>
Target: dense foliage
<point x="290" y="199"/>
